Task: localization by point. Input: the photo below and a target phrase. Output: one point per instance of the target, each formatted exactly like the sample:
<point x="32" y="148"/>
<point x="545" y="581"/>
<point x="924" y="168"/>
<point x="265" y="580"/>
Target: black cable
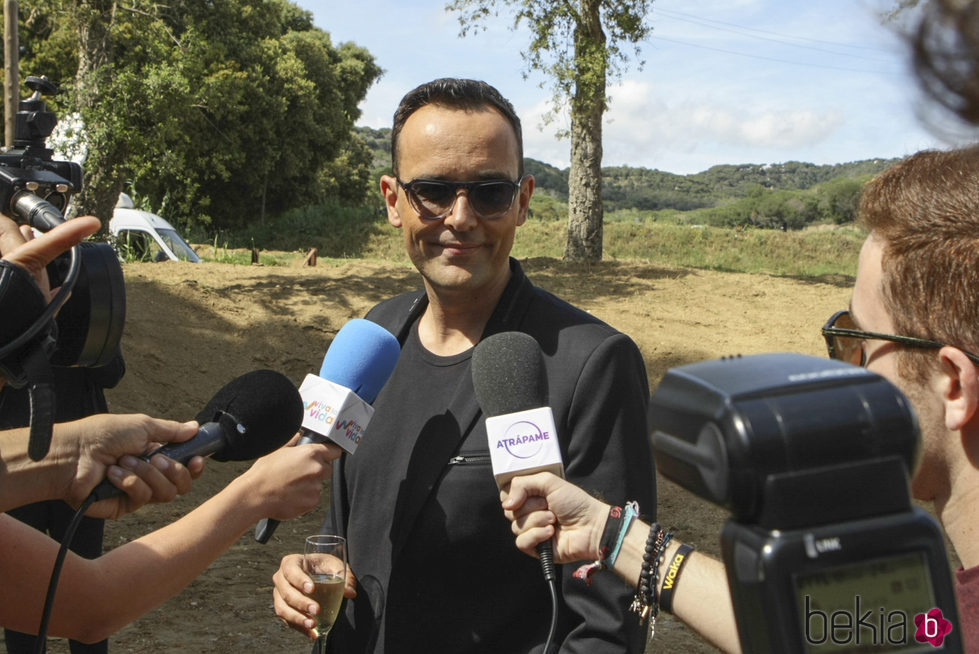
<point x="42" y="630"/>
<point x="545" y="551"/>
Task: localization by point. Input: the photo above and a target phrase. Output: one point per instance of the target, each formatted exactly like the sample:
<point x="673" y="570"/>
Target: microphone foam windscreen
<point x="266" y="408"/>
<point x="361" y="357"/>
<point x="508" y="374"/>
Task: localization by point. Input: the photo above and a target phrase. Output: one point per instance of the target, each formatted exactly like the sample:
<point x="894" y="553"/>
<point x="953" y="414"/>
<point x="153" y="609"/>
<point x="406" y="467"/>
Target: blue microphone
<point x="337" y="402"/>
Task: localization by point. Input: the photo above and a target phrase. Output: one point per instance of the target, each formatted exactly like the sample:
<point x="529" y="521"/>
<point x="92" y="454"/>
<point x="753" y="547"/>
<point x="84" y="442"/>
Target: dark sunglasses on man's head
<point x="844" y="340"/>
<point x="433" y="199"/>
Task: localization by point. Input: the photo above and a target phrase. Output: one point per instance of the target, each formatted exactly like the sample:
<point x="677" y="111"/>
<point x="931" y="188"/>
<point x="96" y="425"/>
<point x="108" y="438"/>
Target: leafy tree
<point x="216" y="113"/>
<point x="577" y="44"/>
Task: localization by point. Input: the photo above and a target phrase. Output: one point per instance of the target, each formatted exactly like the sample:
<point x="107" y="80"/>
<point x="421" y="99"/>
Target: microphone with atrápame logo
<point x="511" y="387"/>
<point x="336" y="403"/>
<point x="248" y="418"/>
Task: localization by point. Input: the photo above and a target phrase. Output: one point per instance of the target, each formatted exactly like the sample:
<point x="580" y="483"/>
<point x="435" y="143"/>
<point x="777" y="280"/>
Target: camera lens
<point x="91" y="322"/>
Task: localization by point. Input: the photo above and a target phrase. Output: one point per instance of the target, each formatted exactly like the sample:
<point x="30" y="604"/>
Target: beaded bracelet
<point x="653" y="598"/>
<point x="640" y="603"/>
<point x="672" y="576"/>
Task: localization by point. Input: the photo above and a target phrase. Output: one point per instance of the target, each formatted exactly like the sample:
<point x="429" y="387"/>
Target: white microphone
<point x="511" y="387"/>
<point x="337" y="402"/>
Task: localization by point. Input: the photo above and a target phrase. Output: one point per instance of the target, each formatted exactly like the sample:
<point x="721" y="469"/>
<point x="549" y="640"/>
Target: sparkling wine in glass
<point x="325" y="561"/>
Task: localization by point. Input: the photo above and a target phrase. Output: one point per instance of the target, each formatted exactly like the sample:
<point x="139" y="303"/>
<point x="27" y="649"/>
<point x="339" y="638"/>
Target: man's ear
<point x="389" y="190"/>
<point x="526" y="190"/>
<point x="960" y="390"/>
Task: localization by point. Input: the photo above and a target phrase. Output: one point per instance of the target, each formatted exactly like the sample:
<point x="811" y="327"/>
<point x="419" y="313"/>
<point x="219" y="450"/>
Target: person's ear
<point x="389" y="190"/>
<point x="960" y="388"/>
<point x="526" y="190"/>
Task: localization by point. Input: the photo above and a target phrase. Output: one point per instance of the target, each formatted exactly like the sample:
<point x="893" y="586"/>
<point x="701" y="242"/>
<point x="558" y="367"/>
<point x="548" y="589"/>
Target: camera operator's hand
<point x="34" y="254"/>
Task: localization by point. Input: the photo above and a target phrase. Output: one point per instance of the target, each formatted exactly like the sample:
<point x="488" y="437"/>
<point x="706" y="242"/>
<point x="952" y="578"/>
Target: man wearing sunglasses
<point x="436" y="567"/>
<point x="914" y="318"/>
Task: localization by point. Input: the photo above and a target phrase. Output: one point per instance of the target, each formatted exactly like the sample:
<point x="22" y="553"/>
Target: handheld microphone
<point x="511" y="387"/>
<point x="248" y="418"/>
<point x="336" y="403"/>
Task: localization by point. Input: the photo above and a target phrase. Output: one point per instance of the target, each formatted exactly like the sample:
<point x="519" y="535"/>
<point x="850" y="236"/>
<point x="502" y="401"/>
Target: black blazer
<point x="492" y="597"/>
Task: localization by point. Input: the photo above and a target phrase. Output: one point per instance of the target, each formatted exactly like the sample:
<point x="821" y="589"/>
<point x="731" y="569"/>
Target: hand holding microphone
<point x="511" y="387"/>
<point x="336" y="403"/>
<point x="249" y="417"/>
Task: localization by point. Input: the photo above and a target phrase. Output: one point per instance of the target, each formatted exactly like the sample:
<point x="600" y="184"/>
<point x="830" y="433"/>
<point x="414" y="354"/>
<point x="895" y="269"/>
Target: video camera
<point x="90" y="304"/>
<point x="824" y="551"/>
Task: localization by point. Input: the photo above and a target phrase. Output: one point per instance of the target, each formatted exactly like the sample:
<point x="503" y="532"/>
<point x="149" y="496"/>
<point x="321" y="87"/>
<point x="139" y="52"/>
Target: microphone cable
<point x="545" y="551"/>
<point x="42" y="630"/>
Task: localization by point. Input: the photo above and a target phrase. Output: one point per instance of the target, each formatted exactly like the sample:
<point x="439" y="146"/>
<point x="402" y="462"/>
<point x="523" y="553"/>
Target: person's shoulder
<point x="392" y="312"/>
<point x="561" y="313"/>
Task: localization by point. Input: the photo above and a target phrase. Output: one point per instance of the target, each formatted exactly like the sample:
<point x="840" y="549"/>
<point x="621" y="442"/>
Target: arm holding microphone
<point x="99" y="596"/>
<point x="544" y="507"/>
<point x="88" y="450"/>
<point x="249" y="417"/>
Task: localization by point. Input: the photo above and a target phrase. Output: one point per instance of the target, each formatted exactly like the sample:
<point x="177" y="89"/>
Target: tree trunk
<point x="102" y="181"/>
<point x="585" y="211"/>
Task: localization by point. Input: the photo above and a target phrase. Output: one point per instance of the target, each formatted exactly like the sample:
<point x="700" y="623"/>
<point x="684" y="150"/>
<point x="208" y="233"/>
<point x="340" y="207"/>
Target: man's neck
<point x="455" y="320"/>
<point x="959" y="513"/>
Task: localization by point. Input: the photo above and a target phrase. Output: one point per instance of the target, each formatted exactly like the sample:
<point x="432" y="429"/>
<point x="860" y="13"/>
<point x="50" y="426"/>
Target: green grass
<point x="363" y="233"/>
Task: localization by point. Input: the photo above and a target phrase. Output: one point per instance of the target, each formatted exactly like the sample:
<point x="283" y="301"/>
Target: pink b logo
<point x="932" y="627"/>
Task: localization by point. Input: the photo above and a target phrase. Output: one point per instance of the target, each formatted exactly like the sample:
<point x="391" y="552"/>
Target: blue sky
<point x="724" y="81"/>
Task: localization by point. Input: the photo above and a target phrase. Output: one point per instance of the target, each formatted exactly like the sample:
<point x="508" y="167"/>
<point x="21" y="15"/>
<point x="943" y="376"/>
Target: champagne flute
<point x="325" y="561"/>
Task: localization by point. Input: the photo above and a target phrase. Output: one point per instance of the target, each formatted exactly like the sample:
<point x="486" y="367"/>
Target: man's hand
<point x="291" y="592"/>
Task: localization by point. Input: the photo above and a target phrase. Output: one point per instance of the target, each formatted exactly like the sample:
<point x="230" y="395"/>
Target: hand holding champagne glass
<point x="325" y="561"/>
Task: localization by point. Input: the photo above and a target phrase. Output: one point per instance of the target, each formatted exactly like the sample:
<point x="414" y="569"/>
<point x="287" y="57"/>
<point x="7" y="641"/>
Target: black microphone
<point x="511" y="387"/>
<point x="249" y="417"/>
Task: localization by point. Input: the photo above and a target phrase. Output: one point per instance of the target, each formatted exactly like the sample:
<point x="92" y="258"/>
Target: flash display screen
<point x="868" y="606"/>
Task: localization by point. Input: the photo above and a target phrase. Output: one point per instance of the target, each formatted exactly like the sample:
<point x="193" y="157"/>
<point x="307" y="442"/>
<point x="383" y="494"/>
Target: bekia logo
<point x="932" y="627"/>
<point x="523" y="439"/>
<point x="872" y="628"/>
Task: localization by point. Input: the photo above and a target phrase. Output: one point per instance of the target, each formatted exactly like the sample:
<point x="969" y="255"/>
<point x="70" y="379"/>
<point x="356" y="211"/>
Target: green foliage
<point x="335" y="230"/>
<point x="789" y="196"/>
<point x="342" y="232"/>
<point x="565" y="45"/>
<point x="221" y="113"/>
<point x="222" y="254"/>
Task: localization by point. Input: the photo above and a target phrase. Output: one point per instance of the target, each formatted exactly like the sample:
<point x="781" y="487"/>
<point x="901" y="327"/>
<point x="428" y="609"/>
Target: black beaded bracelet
<point x="660" y="554"/>
<point x="641" y="601"/>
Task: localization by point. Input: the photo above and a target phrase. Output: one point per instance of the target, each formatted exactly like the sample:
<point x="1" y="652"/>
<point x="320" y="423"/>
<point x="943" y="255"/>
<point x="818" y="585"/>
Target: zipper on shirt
<point x="469" y="459"/>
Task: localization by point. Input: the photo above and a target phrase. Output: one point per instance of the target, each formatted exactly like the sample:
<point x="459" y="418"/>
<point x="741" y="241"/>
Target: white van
<point x="143" y="236"/>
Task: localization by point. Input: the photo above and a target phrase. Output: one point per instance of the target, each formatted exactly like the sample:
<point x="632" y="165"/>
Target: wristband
<point x="673" y="576"/>
<point x="631" y="512"/>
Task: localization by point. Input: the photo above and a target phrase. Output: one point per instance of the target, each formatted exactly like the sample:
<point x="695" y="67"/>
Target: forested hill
<point x="830" y="191"/>
<point x="625" y="187"/>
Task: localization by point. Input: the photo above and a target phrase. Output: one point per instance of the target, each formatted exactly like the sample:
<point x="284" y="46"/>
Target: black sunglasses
<point x="433" y="199"/>
<point x="843" y="340"/>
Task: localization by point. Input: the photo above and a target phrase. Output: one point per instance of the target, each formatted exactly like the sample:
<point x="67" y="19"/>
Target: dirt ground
<point x="192" y="328"/>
